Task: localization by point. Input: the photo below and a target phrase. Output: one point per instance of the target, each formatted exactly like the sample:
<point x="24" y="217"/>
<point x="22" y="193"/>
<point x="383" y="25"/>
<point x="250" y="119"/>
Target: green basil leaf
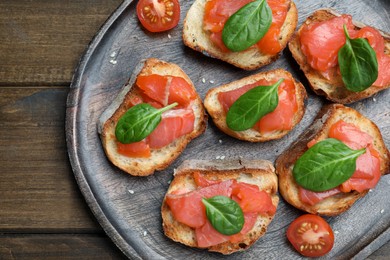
<point x="138" y="122"/>
<point x="358" y="63"/>
<point x="247" y="26"/>
<point x="326" y="165"/>
<point x="251" y="106"/>
<point x="224" y="214"/>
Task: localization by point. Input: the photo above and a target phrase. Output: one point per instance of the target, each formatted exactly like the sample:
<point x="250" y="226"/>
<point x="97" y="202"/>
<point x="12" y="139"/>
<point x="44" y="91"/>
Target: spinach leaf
<point x="138" y="122"/>
<point x="247" y="26"/>
<point x="358" y="63"/>
<point x="326" y="165"/>
<point x="224" y="214"/>
<point x="252" y="105"/>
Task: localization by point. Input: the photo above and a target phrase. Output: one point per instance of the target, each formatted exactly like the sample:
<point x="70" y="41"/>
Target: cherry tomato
<point x="311" y="235"/>
<point x="158" y="15"/>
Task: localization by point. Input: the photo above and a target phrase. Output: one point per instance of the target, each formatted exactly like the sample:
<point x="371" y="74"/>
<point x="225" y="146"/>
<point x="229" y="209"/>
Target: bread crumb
<point x="382" y="211"/>
<point x="131" y="191"/>
<point x="145" y="233"/>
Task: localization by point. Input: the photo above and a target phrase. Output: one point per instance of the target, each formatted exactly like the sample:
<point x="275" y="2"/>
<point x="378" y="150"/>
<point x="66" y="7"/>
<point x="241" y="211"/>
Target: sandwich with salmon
<point x="248" y="34"/>
<point x="153" y="118"/>
<point x="343" y="60"/>
<point x="258" y="108"/>
<point x="333" y="163"/>
<point x="221" y="206"/>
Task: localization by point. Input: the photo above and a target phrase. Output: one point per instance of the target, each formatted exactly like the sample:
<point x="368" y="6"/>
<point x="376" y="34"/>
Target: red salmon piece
<point x="270" y="42"/>
<point x="251" y="199"/>
<point x="279" y="119"/>
<point x="312" y="197"/>
<point x="282" y="117"/>
<point x="250" y="219"/>
<point x="201" y="181"/>
<point x="367" y="173"/>
<point x="155" y="87"/>
<point x="174" y="124"/>
<point x="207" y="236"/>
<point x="180" y="91"/>
<point x="217" y="12"/>
<point x="189" y="209"/>
<point x="138" y="149"/>
<point x="320" y="42"/>
<point x="227" y="98"/>
<point x="350" y="135"/>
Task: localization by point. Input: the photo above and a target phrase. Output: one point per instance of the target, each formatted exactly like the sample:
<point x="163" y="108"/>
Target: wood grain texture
<point x="57" y="246"/>
<point x="37" y="186"/>
<point x="42" y="41"/>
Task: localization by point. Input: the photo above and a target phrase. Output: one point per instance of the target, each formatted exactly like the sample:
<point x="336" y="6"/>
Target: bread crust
<point x="195" y="37"/>
<point x="215" y="109"/>
<point x="319" y="130"/>
<point x="257" y="172"/>
<point x="160" y="158"/>
<point x="333" y="90"/>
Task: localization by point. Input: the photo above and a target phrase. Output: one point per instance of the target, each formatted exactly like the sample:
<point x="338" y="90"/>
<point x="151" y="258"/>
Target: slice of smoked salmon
<point x="320" y="42"/>
<point x="138" y="149"/>
<point x="281" y="118"/>
<point x="250" y="219"/>
<point x="155" y="87"/>
<point x="217" y="12"/>
<point x="312" y="197"/>
<point x="189" y="209"/>
<point x="270" y="42"/>
<point x="367" y="173"/>
<point x="174" y="124"/>
<point x="180" y="91"/>
<point x="251" y="199"/>
<point x="201" y="181"/>
<point x="207" y="236"/>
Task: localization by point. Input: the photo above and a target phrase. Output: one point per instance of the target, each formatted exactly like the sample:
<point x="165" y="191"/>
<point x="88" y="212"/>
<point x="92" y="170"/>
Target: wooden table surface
<point x="42" y="212"/>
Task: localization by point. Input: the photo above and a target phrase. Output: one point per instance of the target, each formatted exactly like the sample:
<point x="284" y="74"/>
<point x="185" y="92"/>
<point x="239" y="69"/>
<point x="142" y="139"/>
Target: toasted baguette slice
<point x="319" y="130"/>
<point x="195" y="37"/>
<point x="334" y="90"/>
<point x="160" y="158"/>
<point x="215" y="109"/>
<point x="256" y="172"/>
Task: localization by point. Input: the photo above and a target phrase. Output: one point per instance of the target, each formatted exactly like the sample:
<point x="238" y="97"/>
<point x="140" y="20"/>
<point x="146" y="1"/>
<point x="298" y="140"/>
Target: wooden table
<point x="42" y="212"/>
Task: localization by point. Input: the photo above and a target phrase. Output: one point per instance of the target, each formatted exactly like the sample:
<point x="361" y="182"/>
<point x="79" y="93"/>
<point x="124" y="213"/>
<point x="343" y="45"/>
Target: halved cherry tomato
<point x="158" y="15"/>
<point x="311" y="235"/>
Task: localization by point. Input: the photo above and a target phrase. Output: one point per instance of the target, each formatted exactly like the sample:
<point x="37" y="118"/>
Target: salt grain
<point x="113" y="54"/>
<point x="113" y="61"/>
<point x="169" y="36"/>
<point x="212" y="81"/>
<point x="218" y="157"/>
<point x="382" y="211"/>
<point x="145" y="233"/>
<point x="131" y="191"/>
<point x="222" y="157"/>
<point x="374" y="99"/>
<point x="203" y="80"/>
<point x="336" y="232"/>
<point x="220" y="141"/>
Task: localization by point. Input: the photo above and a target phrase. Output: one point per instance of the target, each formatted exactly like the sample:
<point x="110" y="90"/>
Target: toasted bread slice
<point x="256" y="172"/>
<point x="216" y="111"/>
<point x="334" y="89"/>
<point x="160" y="158"/>
<point x="195" y="37"/>
<point x="319" y="130"/>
